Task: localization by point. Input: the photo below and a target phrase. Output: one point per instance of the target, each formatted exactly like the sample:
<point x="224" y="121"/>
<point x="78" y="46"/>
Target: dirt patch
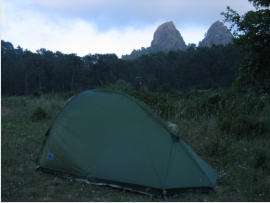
<point x="6" y="111"/>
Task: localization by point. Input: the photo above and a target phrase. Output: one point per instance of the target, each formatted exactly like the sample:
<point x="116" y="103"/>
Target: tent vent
<point x="50" y="156"/>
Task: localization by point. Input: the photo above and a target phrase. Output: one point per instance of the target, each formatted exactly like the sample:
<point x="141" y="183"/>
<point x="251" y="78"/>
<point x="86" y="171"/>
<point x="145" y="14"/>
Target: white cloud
<point x="121" y="13"/>
<point x="33" y="31"/>
<point x="84" y="39"/>
<point x="193" y="35"/>
<point x="107" y="26"/>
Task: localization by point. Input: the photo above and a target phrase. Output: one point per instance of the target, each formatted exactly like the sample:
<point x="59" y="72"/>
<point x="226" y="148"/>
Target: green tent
<point x="111" y="138"/>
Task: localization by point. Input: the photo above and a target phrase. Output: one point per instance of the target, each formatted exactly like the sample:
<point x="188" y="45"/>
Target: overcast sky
<point x="106" y="26"/>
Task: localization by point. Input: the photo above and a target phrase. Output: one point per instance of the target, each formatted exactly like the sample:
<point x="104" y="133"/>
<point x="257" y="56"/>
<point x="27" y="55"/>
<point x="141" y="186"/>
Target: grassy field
<point x="230" y="130"/>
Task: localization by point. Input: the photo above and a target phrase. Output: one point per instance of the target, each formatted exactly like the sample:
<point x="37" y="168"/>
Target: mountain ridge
<point x="167" y="37"/>
<point x="218" y="33"/>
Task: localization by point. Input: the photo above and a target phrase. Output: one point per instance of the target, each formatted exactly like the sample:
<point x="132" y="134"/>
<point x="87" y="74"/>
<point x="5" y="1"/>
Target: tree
<point x="191" y="45"/>
<point x="7" y="66"/>
<point x="101" y="68"/>
<point x="61" y="71"/>
<point x="252" y="34"/>
<point x="38" y="65"/>
<point x="6" y="46"/>
<point x="73" y="64"/>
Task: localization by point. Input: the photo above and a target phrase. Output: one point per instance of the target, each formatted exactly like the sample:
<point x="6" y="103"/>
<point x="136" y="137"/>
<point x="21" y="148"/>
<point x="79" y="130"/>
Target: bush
<point x="161" y="103"/>
<point x="143" y="89"/>
<point x="242" y="114"/>
<point x="23" y="102"/>
<point x="39" y="114"/>
<point x="68" y="95"/>
<point x="120" y="85"/>
<point x="152" y="85"/>
<point x="224" y="124"/>
<point x="218" y="147"/>
<point x="261" y="157"/>
<point x="244" y="126"/>
<point x="216" y="99"/>
<point x="36" y="93"/>
<point x="55" y="107"/>
<point x="166" y="87"/>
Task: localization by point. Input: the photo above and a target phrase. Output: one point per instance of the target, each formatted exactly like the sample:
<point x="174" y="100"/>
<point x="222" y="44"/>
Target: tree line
<point x="196" y="67"/>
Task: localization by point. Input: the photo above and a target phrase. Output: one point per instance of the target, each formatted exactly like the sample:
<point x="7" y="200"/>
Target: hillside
<point x="218" y="33"/>
<point x="167" y="38"/>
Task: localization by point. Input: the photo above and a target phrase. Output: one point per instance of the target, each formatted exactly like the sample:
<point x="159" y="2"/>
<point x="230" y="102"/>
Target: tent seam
<point x="166" y="176"/>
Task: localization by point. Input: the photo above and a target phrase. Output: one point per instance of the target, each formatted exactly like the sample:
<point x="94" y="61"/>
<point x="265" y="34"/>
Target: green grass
<point x="230" y="130"/>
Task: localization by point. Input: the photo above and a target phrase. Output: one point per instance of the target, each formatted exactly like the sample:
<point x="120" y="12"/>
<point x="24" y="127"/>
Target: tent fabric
<point x="112" y="138"/>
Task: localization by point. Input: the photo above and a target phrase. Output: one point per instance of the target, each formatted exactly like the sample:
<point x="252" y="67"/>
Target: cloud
<point x="107" y="14"/>
<point x="33" y="31"/>
<point x="105" y="26"/>
<point x="85" y="39"/>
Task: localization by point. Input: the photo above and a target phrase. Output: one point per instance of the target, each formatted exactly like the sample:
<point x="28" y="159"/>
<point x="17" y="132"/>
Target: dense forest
<point x="24" y="72"/>
<point x="138" y="52"/>
<point x="151" y="50"/>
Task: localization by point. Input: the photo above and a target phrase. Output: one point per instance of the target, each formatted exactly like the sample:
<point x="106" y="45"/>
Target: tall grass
<point x="230" y="130"/>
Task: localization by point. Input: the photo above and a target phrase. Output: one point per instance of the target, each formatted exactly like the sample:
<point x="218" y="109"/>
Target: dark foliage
<point x="39" y="114"/>
<point x="261" y="157"/>
<point x="252" y="33"/>
<point x="195" y="68"/>
<point x="36" y="94"/>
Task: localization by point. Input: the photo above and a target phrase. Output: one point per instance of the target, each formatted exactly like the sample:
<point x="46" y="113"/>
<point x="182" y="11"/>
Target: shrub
<point x="161" y="103"/>
<point x="261" y="157"/>
<point x="242" y="114"/>
<point x="165" y="109"/>
<point x="120" y="85"/>
<point x="143" y="89"/>
<point x="23" y="102"/>
<point x="39" y="114"/>
<point x="216" y="99"/>
<point x="152" y="85"/>
<point x="36" y="93"/>
<point x="68" y="95"/>
<point x="218" y="147"/>
<point x="224" y="124"/>
<point x="244" y="125"/>
<point x="212" y="149"/>
<point x="71" y="94"/>
<point x="55" y="107"/>
<point x="166" y="87"/>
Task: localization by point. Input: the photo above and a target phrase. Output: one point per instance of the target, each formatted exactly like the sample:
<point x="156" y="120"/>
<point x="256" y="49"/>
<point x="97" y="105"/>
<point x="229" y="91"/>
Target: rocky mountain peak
<point x="218" y="33"/>
<point x="167" y="37"/>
